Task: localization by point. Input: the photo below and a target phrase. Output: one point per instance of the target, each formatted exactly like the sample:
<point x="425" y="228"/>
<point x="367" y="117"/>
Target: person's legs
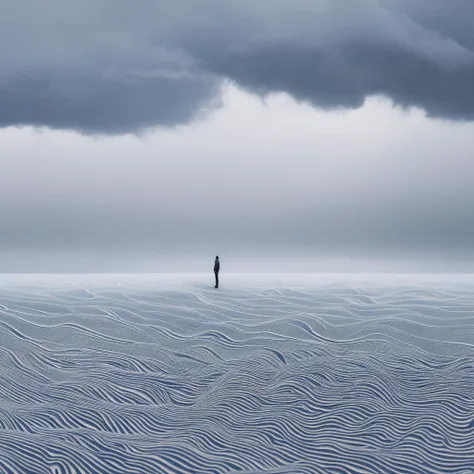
<point x="217" y="279"/>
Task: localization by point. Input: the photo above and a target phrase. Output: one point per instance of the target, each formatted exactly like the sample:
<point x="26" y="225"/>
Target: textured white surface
<point x="270" y="373"/>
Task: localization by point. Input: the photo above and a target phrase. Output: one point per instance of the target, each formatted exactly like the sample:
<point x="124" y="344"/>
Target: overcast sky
<point x="291" y="135"/>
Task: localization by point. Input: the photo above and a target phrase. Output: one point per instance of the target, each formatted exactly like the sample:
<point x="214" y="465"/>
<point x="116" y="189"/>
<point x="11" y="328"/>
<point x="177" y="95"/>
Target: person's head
<point x="217" y="258"/>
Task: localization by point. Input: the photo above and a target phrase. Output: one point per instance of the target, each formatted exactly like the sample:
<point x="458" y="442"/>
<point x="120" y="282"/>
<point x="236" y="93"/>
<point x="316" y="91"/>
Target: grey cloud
<point x="103" y="104"/>
<point x="114" y="67"/>
<point x="335" y="55"/>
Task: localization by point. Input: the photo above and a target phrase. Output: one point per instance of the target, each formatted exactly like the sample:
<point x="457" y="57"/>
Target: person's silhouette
<point x="217" y="267"/>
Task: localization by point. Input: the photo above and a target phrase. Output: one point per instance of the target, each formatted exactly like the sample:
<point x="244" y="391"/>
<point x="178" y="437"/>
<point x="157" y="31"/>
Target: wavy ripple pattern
<point x="270" y="374"/>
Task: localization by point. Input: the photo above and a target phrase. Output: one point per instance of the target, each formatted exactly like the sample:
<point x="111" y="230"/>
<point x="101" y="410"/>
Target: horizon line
<point x="236" y="273"/>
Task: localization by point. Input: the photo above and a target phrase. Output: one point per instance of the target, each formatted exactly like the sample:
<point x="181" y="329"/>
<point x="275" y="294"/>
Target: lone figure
<point x="217" y="267"/>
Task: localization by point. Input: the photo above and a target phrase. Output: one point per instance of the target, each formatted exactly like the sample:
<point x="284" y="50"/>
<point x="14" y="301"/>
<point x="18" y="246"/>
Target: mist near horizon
<point x="376" y="189"/>
<point x="235" y="266"/>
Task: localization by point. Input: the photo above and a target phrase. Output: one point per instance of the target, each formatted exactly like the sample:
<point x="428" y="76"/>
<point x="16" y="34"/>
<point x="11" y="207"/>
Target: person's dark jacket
<point x="217" y="266"/>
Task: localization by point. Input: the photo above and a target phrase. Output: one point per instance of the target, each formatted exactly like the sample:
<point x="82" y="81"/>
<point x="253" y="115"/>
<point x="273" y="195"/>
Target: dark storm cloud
<point x="112" y="67"/>
<point x="111" y="105"/>
<point x="336" y="54"/>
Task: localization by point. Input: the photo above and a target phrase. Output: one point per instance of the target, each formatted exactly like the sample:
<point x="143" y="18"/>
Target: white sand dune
<point x="276" y="374"/>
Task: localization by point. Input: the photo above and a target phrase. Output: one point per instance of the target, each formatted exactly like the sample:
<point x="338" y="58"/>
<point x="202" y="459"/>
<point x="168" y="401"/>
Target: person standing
<point x="217" y="267"/>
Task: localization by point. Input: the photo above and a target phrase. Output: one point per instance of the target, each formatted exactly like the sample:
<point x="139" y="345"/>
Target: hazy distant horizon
<point x="235" y="265"/>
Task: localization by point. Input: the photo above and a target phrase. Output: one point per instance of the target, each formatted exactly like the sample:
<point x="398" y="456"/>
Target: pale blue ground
<point x="276" y="374"/>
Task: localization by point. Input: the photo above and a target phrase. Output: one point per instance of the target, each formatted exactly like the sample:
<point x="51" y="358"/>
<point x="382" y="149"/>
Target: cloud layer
<point x="116" y="66"/>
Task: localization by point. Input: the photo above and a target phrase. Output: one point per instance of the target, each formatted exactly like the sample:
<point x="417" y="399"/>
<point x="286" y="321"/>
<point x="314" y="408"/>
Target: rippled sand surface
<point x="276" y="374"/>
